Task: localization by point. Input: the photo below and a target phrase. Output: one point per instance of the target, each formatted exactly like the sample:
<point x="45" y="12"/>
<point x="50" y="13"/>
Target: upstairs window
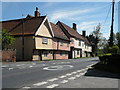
<point x="79" y="43"/>
<point x="61" y="43"/>
<point x="44" y="40"/>
<point x="67" y="44"/>
<point x="82" y="44"/>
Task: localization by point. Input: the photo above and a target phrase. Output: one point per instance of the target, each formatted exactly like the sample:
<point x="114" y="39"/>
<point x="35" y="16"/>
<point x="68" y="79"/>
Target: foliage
<point x="118" y="39"/>
<point x="95" y="38"/>
<point x="114" y="49"/>
<point x="6" y="39"/>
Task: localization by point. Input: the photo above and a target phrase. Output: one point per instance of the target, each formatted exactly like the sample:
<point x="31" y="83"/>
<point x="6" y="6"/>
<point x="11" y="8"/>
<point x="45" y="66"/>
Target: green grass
<point x="108" y="54"/>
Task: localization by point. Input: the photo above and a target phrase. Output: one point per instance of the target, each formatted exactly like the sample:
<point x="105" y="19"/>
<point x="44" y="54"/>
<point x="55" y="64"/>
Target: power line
<point x="106" y="16"/>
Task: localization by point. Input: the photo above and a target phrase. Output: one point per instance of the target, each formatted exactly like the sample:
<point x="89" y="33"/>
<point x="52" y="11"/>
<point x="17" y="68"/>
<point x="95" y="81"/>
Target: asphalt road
<point x="37" y="74"/>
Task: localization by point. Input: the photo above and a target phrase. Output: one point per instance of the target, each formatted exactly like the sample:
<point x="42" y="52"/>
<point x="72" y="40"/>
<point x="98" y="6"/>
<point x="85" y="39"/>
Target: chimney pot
<point x="84" y="33"/>
<point x="37" y="13"/>
<point x="74" y="26"/>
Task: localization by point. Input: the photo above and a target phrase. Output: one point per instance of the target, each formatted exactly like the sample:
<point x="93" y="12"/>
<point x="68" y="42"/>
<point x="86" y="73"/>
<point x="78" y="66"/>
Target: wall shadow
<point x="99" y="73"/>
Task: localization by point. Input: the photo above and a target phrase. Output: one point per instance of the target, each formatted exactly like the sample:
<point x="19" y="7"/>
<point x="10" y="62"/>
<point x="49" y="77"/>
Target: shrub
<point x="114" y="49"/>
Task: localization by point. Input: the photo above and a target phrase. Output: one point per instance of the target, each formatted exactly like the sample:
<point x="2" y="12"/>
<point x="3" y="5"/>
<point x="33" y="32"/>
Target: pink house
<point x="61" y="43"/>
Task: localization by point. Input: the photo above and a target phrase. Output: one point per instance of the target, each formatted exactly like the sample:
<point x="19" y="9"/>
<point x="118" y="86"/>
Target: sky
<point x="86" y="15"/>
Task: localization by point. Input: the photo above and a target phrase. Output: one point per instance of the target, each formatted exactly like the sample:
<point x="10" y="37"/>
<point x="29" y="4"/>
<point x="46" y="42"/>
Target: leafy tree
<point x="6" y="39"/>
<point x="114" y="49"/>
<point x="95" y="38"/>
<point x="118" y="39"/>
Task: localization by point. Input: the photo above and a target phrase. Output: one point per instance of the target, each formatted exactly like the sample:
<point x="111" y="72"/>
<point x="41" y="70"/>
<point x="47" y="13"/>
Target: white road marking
<point x="74" y="72"/>
<point x="62" y="76"/>
<point x="40" y="83"/>
<point x="4" y="66"/>
<point x="52" y="86"/>
<point x="54" y="63"/>
<point x="82" y="73"/>
<point x="69" y="74"/>
<point x="54" y="79"/>
<point x="78" y="75"/>
<point x="27" y="87"/>
<point x="10" y="68"/>
<point x="18" y="65"/>
<point x="72" y="78"/>
<point x="64" y="81"/>
<point x="58" y="67"/>
<point x="30" y="66"/>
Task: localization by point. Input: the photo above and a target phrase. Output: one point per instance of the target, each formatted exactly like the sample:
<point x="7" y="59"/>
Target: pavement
<point x="75" y="73"/>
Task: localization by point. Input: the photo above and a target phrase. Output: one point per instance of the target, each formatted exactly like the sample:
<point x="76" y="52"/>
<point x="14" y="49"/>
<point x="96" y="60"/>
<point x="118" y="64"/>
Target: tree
<point x="118" y="39"/>
<point x="6" y="39"/>
<point x="94" y="38"/>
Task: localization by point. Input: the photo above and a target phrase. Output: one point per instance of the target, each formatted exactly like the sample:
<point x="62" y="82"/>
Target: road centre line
<point x="69" y="74"/>
<point x="52" y="86"/>
<point x="40" y="83"/>
<point x="10" y="68"/>
<point x="72" y="78"/>
<point x="64" y="81"/>
<point x="62" y="76"/>
<point x="74" y="72"/>
<point x="26" y="87"/>
<point x="78" y="75"/>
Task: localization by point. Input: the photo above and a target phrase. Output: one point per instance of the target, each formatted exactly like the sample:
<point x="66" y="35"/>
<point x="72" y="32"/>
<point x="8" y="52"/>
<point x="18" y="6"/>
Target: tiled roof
<point x="29" y="26"/>
<point x="8" y="25"/>
<point x="58" y="32"/>
<point x="73" y="32"/>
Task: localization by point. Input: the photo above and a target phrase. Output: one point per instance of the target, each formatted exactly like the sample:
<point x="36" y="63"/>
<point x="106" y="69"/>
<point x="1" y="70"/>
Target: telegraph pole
<point x="111" y="32"/>
<point x="22" y="38"/>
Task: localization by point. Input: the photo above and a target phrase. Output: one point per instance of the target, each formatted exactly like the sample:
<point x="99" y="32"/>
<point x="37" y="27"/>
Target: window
<point x="46" y="54"/>
<point x="83" y="44"/>
<point x="79" y="43"/>
<point x="44" y="40"/>
<point x="67" y="44"/>
<point x="77" y="52"/>
<point x="60" y="53"/>
<point x="72" y="41"/>
<point x="61" y="43"/>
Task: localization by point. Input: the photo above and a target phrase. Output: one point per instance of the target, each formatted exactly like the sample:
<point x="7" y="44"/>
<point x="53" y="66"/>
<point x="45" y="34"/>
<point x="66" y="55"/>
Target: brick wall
<point x="8" y="55"/>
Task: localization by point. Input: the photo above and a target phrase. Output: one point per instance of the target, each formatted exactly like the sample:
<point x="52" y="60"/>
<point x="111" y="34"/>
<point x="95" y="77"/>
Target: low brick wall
<point x="8" y="55"/>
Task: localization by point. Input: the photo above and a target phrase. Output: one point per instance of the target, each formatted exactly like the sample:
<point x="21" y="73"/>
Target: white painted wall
<point x="84" y="48"/>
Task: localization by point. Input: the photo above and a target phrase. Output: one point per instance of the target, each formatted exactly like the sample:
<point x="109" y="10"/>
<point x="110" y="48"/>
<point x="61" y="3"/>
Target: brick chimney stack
<point x="37" y="13"/>
<point x="74" y="26"/>
<point x="84" y="33"/>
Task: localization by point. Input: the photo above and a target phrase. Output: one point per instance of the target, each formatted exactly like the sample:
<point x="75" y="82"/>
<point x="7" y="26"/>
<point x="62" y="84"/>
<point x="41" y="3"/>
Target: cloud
<point x="68" y="13"/>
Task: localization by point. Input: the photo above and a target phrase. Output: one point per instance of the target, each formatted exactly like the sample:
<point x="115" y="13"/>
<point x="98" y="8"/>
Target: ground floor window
<point x="45" y="54"/>
<point x="77" y="52"/>
<point x="61" y="54"/>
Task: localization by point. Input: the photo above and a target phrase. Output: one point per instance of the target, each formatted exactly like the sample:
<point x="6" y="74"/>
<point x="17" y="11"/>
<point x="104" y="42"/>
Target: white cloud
<point x="68" y="13"/>
<point x="88" y="26"/>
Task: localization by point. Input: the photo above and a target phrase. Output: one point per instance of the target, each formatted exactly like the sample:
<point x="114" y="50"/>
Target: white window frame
<point x="44" y="40"/>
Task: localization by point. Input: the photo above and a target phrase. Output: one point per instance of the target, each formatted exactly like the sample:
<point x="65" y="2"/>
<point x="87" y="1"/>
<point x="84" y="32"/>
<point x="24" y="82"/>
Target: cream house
<point x="33" y="37"/>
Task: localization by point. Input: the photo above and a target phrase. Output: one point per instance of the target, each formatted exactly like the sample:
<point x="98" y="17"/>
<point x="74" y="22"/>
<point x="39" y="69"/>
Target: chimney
<point x="84" y="33"/>
<point x="74" y="26"/>
<point x="37" y="14"/>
